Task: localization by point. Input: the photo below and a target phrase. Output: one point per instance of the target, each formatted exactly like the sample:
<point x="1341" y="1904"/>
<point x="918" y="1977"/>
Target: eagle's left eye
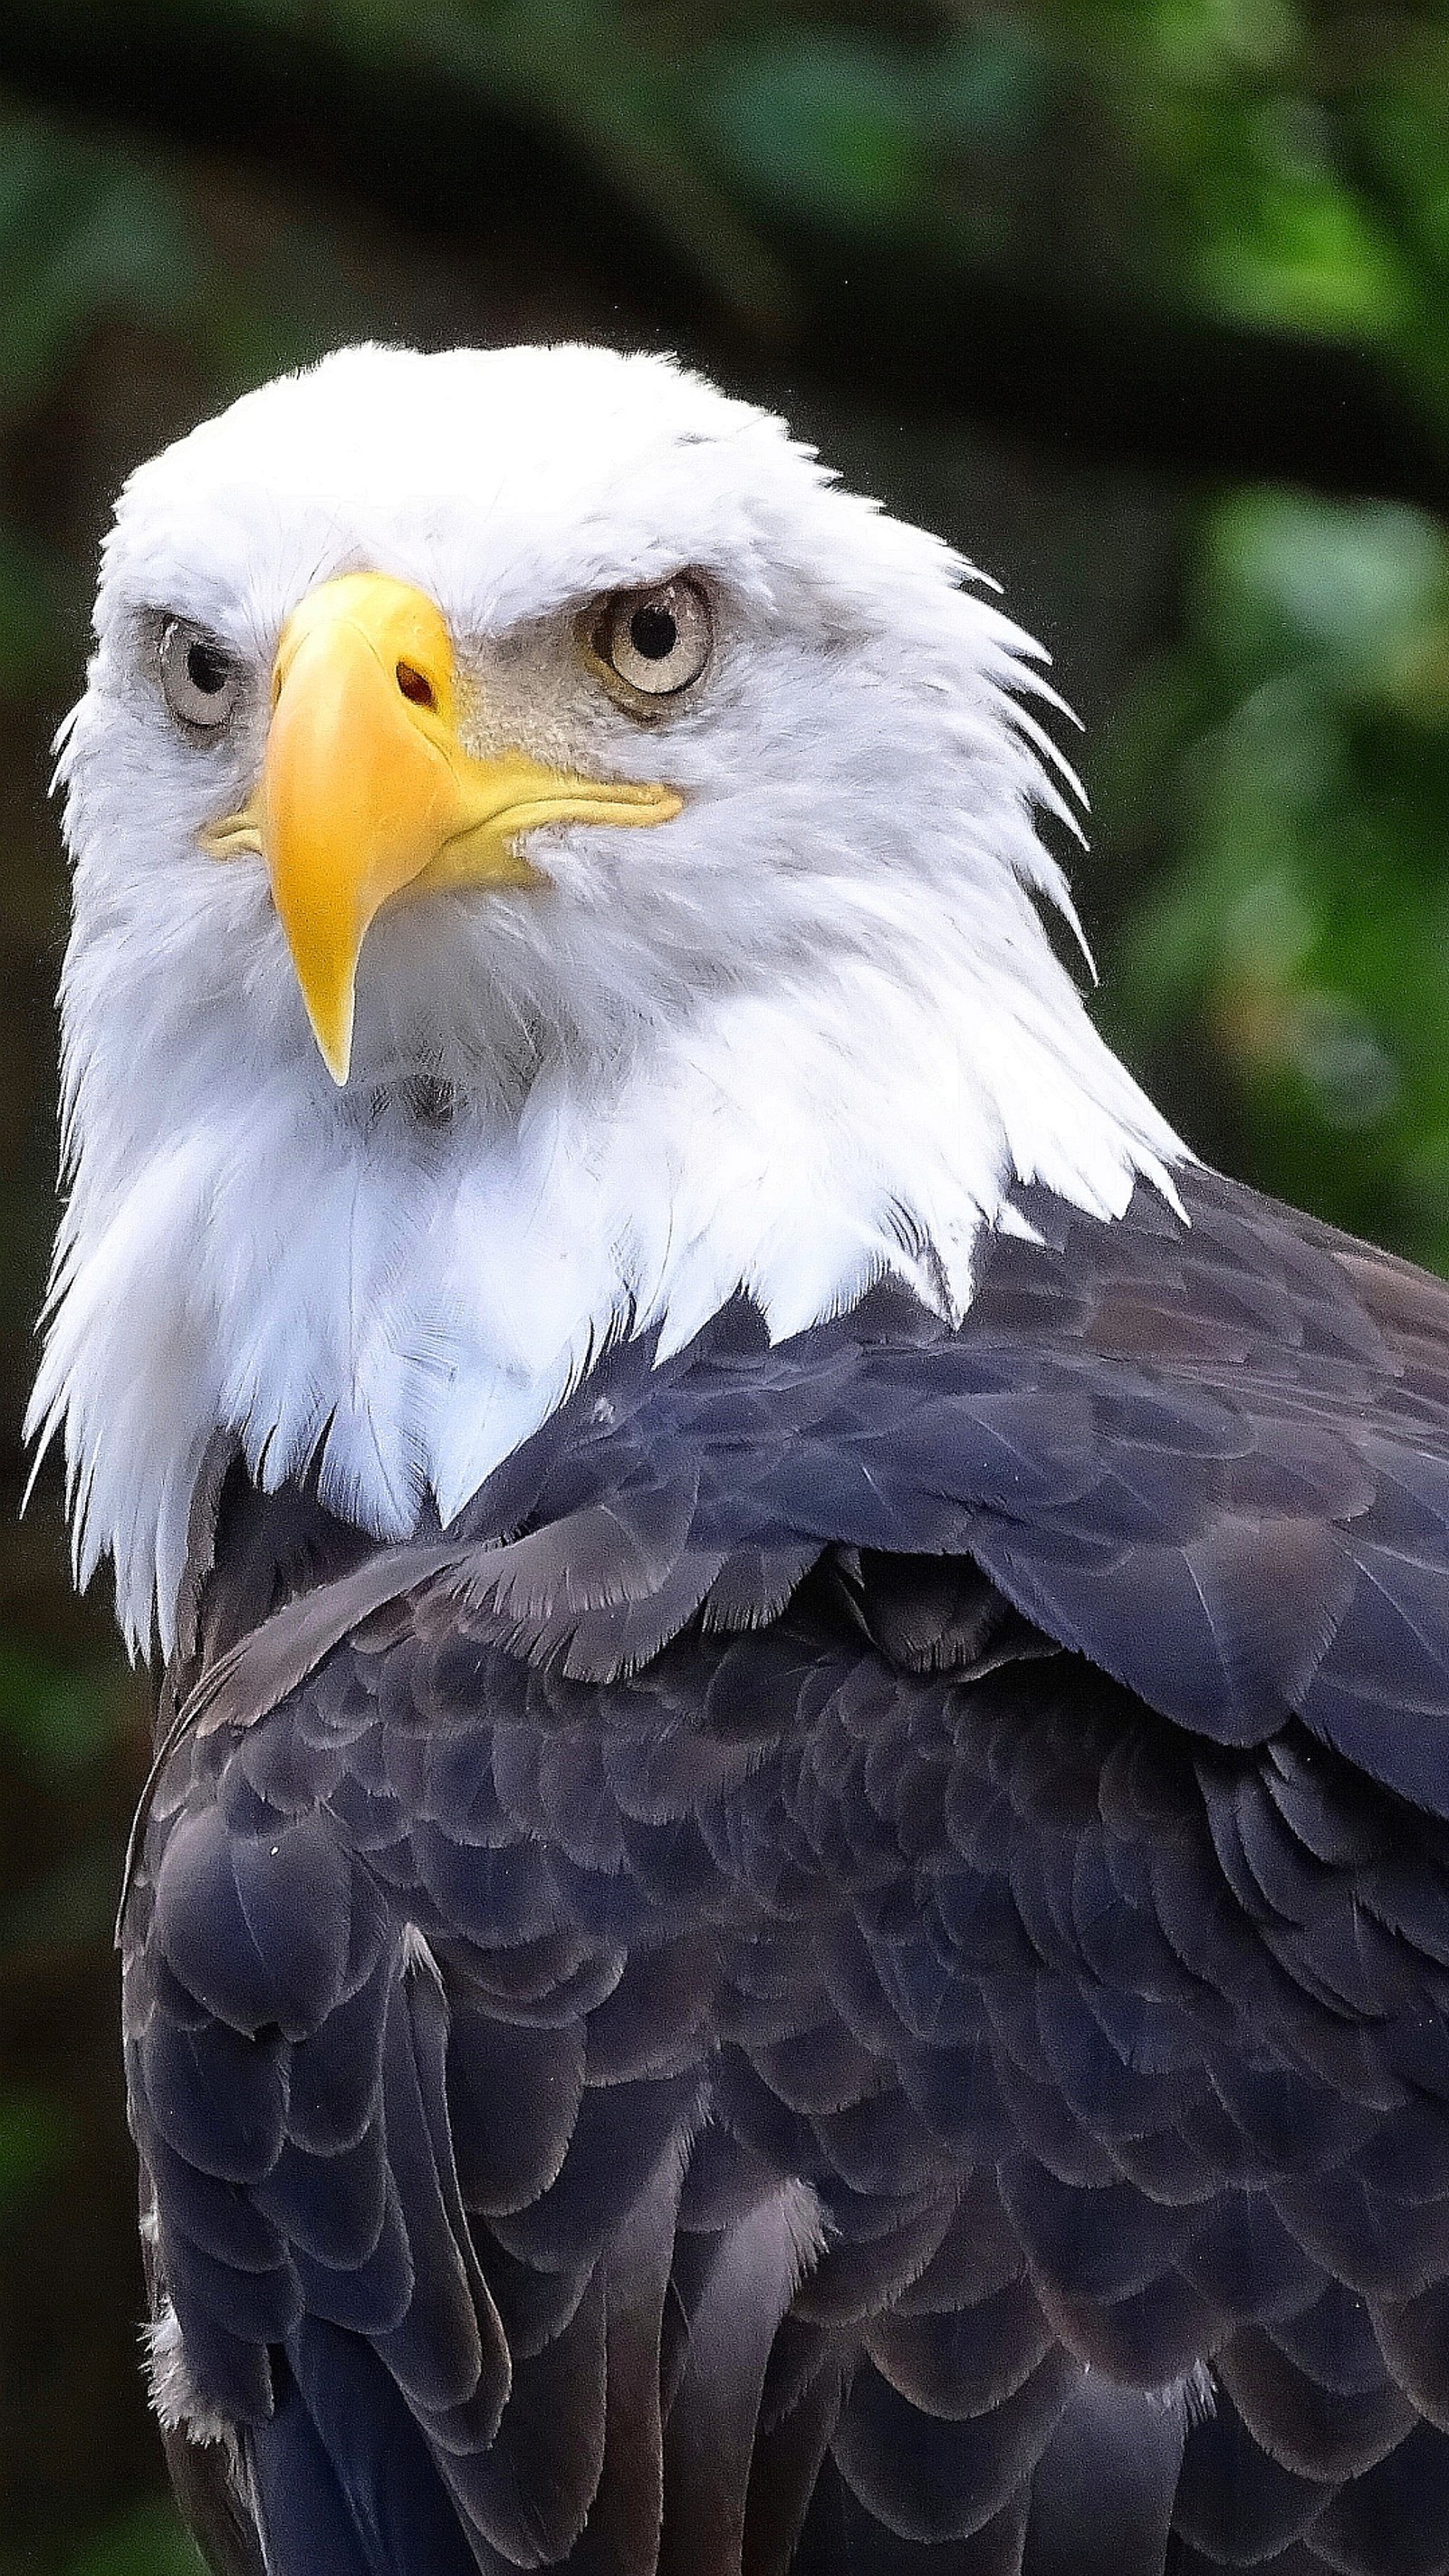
<point x="201" y="680"/>
<point x="656" y="641"/>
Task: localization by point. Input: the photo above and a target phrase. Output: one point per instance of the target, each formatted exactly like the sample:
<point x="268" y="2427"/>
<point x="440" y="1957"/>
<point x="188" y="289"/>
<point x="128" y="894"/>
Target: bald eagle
<point x="793" y="1912"/>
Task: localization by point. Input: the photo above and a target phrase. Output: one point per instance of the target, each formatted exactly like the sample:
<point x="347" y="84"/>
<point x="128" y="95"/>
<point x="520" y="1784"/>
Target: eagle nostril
<point x="415" y="685"/>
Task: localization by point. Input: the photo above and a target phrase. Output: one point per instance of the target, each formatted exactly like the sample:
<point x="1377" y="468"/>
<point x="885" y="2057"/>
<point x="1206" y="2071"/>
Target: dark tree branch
<point x="445" y="159"/>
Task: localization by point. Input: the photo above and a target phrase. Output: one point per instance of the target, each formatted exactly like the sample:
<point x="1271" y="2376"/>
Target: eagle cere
<point x="792" y="1912"/>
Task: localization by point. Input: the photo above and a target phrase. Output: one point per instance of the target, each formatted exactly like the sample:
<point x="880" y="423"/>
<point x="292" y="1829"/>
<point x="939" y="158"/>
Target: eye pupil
<point x="207" y="669"/>
<point x="653" y="632"/>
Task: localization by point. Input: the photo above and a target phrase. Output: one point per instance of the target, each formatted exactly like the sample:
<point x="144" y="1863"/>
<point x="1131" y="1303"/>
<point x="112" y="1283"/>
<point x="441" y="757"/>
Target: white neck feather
<point x="409" y="1300"/>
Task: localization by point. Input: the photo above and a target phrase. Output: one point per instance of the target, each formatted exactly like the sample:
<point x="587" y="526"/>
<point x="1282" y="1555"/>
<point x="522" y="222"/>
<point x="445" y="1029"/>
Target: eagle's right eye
<point x="201" y="680"/>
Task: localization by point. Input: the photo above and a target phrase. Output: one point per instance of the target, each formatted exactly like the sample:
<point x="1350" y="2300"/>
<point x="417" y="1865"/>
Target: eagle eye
<point x="656" y="641"/>
<point x="199" y="678"/>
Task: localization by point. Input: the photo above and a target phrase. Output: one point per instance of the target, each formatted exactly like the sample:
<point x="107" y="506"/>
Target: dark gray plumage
<point x="852" y="1972"/>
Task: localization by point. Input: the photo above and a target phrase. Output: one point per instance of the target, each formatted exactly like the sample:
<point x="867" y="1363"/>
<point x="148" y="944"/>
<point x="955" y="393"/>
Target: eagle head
<point x="545" y="859"/>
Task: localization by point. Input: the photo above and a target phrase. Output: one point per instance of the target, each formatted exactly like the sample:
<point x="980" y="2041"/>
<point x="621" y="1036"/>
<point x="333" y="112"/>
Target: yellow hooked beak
<point x="367" y="787"/>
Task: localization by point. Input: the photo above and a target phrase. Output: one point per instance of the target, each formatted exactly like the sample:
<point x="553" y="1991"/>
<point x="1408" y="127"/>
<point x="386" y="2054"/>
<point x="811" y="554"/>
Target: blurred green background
<point x="1144" y="303"/>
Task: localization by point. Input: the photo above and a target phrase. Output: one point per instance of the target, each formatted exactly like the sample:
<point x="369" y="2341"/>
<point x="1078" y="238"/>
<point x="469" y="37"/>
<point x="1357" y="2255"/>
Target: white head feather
<point x="810" y="1030"/>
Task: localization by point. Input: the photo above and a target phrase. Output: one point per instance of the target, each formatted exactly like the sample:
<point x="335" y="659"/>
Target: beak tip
<point x="332" y="1029"/>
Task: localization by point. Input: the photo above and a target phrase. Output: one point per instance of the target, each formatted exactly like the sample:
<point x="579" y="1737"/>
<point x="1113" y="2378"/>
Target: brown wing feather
<point x="699" y="2020"/>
